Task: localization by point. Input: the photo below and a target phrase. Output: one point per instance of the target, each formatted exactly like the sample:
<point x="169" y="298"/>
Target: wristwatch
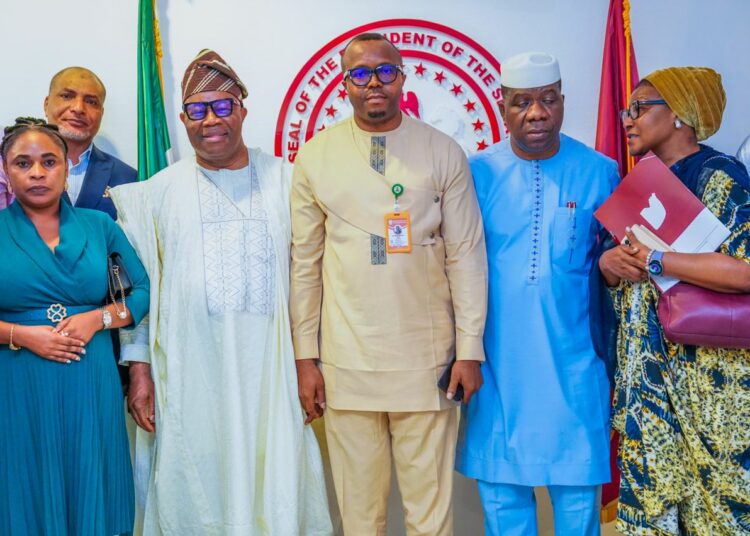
<point x="654" y="262"/>
<point x="106" y="318"/>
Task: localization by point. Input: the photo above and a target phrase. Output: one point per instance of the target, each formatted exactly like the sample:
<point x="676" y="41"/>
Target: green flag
<point x="153" y="135"/>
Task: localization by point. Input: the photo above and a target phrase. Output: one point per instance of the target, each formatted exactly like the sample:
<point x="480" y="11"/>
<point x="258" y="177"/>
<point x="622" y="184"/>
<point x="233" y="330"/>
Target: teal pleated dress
<point x="64" y="458"/>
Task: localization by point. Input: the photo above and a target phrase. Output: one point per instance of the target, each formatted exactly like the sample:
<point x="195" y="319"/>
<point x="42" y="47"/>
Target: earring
<point x="678" y="124"/>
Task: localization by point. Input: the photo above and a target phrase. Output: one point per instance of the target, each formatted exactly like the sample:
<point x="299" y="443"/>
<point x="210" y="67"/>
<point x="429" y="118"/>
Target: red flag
<point x="619" y="77"/>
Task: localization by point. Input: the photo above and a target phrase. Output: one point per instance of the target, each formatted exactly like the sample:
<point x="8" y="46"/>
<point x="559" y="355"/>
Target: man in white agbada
<point x="221" y="448"/>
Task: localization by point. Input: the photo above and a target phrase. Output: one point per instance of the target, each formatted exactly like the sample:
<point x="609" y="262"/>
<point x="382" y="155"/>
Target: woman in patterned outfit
<point x="683" y="412"/>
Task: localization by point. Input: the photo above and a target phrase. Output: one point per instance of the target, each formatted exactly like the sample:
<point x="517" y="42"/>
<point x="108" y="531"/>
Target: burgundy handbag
<point x="700" y="317"/>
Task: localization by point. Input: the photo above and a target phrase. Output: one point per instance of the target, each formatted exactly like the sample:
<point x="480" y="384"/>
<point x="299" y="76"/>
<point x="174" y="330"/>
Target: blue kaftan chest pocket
<point x="571" y="237"/>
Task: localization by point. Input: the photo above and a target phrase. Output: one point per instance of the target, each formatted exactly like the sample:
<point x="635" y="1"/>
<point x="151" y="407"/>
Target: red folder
<point x="652" y="196"/>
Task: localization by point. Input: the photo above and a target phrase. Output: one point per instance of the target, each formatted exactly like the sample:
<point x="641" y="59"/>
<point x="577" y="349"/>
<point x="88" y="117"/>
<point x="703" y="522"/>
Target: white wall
<point x="268" y="42"/>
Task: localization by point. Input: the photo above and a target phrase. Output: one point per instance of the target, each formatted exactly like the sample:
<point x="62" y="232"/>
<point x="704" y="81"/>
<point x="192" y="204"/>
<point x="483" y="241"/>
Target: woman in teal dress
<point x="64" y="457"/>
<point x="682" y="412"/>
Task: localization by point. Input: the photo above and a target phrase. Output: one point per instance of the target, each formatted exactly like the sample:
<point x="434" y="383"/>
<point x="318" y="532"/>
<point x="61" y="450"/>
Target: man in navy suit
<point x="76" y="105"/>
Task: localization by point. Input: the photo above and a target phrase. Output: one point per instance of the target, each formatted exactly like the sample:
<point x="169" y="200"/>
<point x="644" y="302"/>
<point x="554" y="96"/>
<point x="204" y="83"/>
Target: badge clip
<point x="397" y="225"/>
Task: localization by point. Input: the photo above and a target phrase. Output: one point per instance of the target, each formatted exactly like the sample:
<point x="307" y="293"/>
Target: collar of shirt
<point x="76" y="174"/>
<point x="83" y="162"/>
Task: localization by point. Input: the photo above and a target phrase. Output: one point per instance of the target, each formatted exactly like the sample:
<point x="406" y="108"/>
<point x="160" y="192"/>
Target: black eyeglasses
<point x="360" y="76"/>
<point x="634" y="110"/>
<point x="199" y="110"/>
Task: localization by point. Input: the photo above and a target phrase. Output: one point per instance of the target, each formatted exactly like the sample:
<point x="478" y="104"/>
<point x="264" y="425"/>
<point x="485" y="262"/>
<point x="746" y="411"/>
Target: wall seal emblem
<point x="453" y="83"/>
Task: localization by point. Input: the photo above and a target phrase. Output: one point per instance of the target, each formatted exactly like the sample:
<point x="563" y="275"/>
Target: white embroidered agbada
<point x="231" y="455"/>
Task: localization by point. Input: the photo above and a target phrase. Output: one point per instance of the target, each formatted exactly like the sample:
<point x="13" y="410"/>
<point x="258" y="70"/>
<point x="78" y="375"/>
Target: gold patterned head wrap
<point x="209" y="72"/>
<point x="694" y="94"/>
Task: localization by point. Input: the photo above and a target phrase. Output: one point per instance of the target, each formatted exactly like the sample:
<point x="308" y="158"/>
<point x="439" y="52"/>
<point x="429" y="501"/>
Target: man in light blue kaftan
<point x="541" y="418"/>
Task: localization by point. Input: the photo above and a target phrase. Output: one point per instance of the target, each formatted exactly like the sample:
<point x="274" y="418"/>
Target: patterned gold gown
<point x="683" y="412"/>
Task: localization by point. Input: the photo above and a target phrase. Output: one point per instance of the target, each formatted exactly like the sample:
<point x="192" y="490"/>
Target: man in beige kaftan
<point x="382" y="302"/>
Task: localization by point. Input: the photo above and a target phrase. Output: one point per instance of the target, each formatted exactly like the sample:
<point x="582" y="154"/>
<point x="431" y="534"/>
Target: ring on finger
<point x="64" y="333"/>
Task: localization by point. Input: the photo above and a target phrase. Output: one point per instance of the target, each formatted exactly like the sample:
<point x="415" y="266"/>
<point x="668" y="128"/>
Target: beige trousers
<point x="421" y="445"/>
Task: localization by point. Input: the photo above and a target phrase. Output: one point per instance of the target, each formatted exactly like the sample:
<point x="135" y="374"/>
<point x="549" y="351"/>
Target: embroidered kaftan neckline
<point x="238" y="253"/>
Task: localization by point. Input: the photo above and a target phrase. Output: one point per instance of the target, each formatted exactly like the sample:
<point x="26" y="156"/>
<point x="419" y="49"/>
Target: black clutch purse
<point x="118" y="281"/>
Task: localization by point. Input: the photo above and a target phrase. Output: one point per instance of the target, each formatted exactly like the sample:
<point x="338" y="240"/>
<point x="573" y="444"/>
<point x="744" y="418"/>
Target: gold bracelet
<point x="10" y="339"/>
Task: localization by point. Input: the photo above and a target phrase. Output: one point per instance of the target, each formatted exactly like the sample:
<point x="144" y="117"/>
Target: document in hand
<point x="652" y="197"/>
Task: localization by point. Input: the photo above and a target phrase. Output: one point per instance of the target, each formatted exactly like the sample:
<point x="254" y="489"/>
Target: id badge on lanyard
<point x="397" y="226"/>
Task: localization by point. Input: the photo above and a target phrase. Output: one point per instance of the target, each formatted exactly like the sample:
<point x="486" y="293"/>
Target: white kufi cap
<point x="530" y="69"/>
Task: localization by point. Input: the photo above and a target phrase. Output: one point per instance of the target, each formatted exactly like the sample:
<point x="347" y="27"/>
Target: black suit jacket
<point x="104" y="171"/>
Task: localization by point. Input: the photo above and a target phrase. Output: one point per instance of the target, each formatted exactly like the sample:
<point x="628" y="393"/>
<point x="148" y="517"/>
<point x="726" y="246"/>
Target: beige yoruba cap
<point x="530" y="69"/>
